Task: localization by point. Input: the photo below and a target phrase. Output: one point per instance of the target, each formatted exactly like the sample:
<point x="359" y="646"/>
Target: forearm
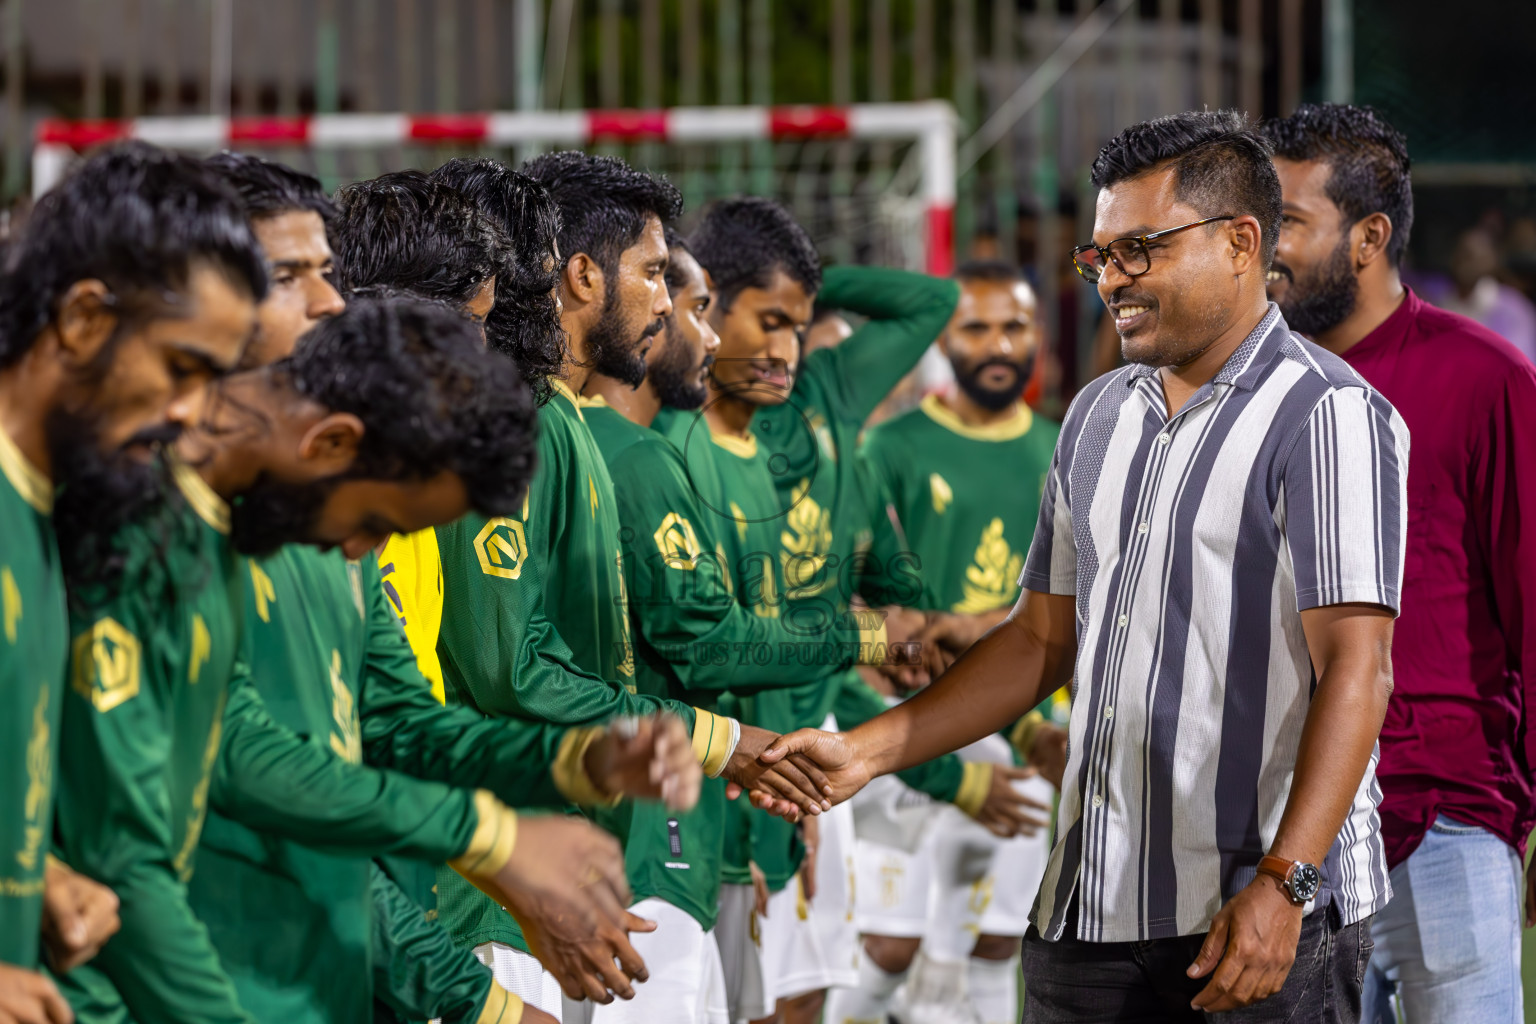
<point x="1337" y="739"/>
<point x="417" y="969"/>
<point x="1004" y="674"/>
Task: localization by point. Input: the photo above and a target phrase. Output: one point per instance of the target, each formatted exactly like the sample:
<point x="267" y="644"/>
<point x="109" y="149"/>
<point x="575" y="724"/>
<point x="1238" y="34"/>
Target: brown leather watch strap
<point x="1278" y="867"/>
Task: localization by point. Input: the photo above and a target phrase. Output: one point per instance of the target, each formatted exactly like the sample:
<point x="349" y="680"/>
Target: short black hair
<point x="604" y="203"/>
<point x="431" y="397"/>
<point x="742" y="241"/>
<point x="993" y="271"/>
<point x="525" y="322"/>
<point x="1221" y="165"/>
<point x="1368" y="159"/>
<point x="270" y="189"/>
<point x="403" y="230"/>
<point x="137" y="218"/>
<point x="674" y="275"/>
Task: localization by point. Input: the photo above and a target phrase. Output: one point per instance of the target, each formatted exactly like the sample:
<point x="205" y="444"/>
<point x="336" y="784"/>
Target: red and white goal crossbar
<point x="930" y="124"/>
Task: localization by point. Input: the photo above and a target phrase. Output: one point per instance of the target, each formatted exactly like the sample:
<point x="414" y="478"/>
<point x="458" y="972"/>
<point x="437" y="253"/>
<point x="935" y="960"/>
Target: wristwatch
<point x="1299" y="879"/>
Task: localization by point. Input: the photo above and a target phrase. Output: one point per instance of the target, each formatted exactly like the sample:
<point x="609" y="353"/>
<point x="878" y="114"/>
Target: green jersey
<point x="693" y="639"/>
<point x="161" y="725"/>
<point x="812" y="438"/>
<point x="966" y="497"/>
<point x="330" y="663"/>
<point x="535" y="625"/>
<point x="32" y="658"/>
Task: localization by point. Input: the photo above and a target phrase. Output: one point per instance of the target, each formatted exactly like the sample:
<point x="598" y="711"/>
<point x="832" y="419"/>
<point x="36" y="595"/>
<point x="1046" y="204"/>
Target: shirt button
<point x="1098" y="801"/>
<point x="1164" y="438"/>
<point x="1144" y="527"/>
<point x="1109" y="712"/>
<point x="1123" y="620"/>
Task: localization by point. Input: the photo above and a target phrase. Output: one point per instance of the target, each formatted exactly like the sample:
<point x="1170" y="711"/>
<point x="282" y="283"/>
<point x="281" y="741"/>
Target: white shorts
<point x="981" y="884"/>
<point x="686" y="983"/>
<point x="522" y="975"/>
<point x="793" y="960"/>
<point x="893" y="889"/>
<point x="738" y="934"/>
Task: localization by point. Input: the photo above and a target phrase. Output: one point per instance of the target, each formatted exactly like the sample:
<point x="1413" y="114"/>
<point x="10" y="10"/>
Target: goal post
<point x="915" y="204"/>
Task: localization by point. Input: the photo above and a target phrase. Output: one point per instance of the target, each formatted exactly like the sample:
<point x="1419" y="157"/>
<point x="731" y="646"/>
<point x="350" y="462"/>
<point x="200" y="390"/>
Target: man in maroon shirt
<point x="1458" y="745"/>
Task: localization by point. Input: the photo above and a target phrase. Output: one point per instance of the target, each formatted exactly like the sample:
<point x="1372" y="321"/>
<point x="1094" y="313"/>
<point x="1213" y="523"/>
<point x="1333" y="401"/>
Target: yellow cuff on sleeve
<point x="873" y="639"/>
<point x="495" y="836"/>
<point x="501" y="1007"/>
<point x="1023" y="735"/>
<point x="712" y="741"/>
<point x="570" y="770"/>
<point x="974" y="786"/>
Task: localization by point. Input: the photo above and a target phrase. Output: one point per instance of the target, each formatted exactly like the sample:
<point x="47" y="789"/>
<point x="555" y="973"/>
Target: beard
<point x="614" y="344"/>
<point x="271" y="513"/>
<point x="100" y="494"/>
<point x="1321" y="300"/>
<point x="675" y="376"/>
<point x="968" y="378"/>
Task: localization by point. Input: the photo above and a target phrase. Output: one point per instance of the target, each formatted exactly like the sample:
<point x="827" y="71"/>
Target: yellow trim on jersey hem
<point x="711" y="741"/>
<point x="494" y="838"/>
<point x="501" y="1007"/>
<point x="741" y="447"/>
<point x="206" y="502"/>
<point x="975" y="782"/>
<point x="562" y="388"/>
<point x="30" y="482"/>
<point x="570" y="770"/>
<point x="1015" y="426"/>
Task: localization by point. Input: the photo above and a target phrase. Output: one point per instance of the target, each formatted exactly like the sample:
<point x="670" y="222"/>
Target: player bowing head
<point x="679" y="365"/>
<point x="766" y="274"/>
<point x="390" y="417"/>
<point x="405" y="233"/>
<point x="525" y="322"/>
<point x="612" y="288"/>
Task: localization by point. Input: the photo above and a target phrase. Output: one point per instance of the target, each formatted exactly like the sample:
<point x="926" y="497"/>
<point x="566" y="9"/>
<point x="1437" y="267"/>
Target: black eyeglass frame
<point x="1141" y="241"/>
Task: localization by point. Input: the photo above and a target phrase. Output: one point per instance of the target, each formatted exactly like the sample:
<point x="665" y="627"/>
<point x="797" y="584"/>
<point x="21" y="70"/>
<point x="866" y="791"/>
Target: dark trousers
<point x="1145" y="983"/>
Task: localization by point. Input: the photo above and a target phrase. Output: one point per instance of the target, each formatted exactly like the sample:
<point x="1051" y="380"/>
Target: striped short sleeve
<point x="1051" y="567"/>
<point x="1346" y="513"/>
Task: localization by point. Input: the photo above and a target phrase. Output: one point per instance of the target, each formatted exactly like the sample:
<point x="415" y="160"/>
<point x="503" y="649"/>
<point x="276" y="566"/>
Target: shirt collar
<point x="34" y="487"/>
<point x="1244" y="366"/>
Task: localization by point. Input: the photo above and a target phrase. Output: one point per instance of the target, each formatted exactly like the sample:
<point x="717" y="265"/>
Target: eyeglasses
<point x="1129" y="255"/>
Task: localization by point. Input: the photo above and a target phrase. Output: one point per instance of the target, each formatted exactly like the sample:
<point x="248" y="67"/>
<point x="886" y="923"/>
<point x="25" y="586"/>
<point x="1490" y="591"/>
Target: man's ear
<point x="85" y="320"/>
<point x="331" y="443"/>
<point x="1247" y="240"/>
<point x="582" y="279"/>
<point x="1370" y="237"/>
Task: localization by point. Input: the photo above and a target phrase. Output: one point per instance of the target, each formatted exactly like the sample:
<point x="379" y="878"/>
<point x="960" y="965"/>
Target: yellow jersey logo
<point x="39" y="784"/>
<point x="992" y="580"/>
<point x="347" y="740"/>
<point x="182" y="862"/>
<point x="942" y="495"/>
<point x="105" y="661"/>
<point x="262" y="587"/>
<point x="740" y="518"/>
<point x="806" y="543"/>
<point x="592" y="496"/>
<point x="10" y="597"/>
<point x="502" y="547"/>
<point x="678" y="544"/>
<point x="202" y="648"/>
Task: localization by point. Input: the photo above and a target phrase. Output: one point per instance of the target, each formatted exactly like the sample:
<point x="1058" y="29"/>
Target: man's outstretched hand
<point x="828" y="756"/>
<point x="651" y="758"/>
<point x="565" y="885"/>
<point x="786" y="786"/>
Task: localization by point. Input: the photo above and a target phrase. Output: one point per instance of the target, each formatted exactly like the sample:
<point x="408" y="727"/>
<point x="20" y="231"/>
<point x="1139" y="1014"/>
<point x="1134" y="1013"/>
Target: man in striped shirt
<point x="1217" y="565"/>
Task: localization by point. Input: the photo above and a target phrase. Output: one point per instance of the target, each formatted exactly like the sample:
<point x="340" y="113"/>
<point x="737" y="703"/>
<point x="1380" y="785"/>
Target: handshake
<point x="565" y="880"/>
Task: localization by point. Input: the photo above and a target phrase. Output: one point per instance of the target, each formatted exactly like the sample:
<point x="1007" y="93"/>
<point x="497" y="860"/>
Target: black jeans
<point x="1145" y="983"/>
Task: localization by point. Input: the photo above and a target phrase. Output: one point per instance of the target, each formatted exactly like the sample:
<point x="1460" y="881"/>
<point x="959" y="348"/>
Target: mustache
<point x="655" y="328"/>
<point x="161" y="435"/>
<point x="1283" y="270"/>
<point x="709" y="360"/>
<point x="1126" y="296"/>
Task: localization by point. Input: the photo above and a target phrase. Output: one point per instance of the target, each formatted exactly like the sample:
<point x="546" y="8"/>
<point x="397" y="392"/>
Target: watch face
<point x="1305" y="881"/>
